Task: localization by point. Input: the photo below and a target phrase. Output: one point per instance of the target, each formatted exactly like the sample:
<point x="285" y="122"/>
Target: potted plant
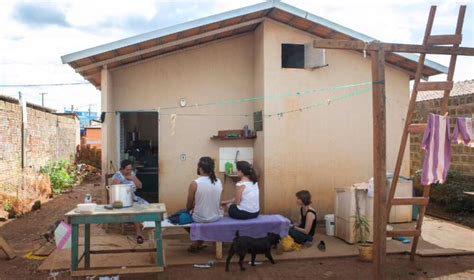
<point x="362" y="229"/>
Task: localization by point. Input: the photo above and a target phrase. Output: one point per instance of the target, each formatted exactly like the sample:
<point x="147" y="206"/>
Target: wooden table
<point x="136" y="214"/>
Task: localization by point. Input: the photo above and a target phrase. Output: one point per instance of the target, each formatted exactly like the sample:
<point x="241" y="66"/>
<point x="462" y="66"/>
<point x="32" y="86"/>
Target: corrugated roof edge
<point x="230" y="14"/>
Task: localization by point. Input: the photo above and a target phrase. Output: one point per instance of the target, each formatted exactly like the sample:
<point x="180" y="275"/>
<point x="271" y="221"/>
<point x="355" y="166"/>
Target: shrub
<point x="62" y="175"/>
<point x="451" y="194"/>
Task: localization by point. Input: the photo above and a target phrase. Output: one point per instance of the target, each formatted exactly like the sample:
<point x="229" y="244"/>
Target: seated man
<point x="204" y="197"/>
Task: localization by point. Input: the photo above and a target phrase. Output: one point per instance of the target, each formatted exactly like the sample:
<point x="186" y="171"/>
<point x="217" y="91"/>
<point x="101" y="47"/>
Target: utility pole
<point x="42" y="98"/>
<point x="90" y="121"/>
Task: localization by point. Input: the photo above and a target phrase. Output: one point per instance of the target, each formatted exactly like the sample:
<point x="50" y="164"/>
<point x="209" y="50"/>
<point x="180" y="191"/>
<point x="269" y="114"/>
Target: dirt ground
<point x="23" y="235"/>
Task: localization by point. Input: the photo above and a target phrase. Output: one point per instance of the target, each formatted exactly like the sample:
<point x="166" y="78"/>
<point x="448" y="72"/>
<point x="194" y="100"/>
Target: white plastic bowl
<point x="86" y="207"/>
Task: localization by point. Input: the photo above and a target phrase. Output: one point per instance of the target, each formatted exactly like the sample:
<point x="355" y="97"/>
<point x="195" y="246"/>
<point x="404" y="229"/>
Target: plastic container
<point x="330" y="225"/>
<point x="86" y="207"/>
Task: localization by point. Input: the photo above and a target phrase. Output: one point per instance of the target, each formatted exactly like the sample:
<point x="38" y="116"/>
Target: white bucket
<point x="329" y="219"/>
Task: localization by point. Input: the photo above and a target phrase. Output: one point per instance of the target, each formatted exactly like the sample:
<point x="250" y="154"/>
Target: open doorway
<point x="139" y="143"/>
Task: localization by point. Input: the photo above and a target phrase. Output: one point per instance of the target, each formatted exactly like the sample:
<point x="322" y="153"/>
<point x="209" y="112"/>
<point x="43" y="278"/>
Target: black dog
<point x="244" y="244"/>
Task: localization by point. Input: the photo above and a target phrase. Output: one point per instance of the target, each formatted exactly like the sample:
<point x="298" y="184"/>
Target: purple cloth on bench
<point x="224" y="229"/>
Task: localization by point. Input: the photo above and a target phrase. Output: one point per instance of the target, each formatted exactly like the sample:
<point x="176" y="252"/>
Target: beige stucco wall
<point x="217" y="71"/>
<point x="326" y="147"/>
<point x="318" y="149"/>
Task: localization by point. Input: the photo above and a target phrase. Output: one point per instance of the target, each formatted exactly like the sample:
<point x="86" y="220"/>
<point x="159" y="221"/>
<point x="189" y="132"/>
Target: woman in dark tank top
<point x="304" y="232"/>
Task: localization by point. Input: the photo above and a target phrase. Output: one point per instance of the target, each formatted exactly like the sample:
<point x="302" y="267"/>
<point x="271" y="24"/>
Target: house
<point x="460" y="104"/>
<point x="92" y="136"/>
<point x="166" y="92"/>
<point x="86" y="117"/>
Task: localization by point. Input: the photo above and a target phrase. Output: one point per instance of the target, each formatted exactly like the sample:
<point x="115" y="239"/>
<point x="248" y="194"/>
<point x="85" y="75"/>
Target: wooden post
<point x="380" y="168"/>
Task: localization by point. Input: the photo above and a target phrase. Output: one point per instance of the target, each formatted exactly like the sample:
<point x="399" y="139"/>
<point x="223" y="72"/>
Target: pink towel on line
<point x="464" y="132"/>
<point x="437" y="145"/>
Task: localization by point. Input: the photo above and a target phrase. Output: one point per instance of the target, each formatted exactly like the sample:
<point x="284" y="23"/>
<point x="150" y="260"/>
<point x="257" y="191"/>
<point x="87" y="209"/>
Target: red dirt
<point x="23" y="235"/>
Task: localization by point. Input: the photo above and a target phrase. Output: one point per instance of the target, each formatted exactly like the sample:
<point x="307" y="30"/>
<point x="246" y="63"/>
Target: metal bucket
<point x="123" y="193"/>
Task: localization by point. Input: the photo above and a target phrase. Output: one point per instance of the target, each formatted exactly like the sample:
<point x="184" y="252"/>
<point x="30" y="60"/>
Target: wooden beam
<point x="452" y="61"/>
<point x="411" y="109"/>
<point x="115" y="271"/>
<point x="427" y="86"/>
<point x="5" y="247"/>
<point x="417" y="128"/>
<point x="167" y="45"/>
<point x="410" y="201"/>
<point x="400" y="233"/>
<point x="379" y="161"/>
<point x="389" y="47"/>
<point x="455" y="39"/>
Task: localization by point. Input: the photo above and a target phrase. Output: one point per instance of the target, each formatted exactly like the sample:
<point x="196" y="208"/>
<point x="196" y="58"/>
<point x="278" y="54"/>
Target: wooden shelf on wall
<point x="227" y="135"/>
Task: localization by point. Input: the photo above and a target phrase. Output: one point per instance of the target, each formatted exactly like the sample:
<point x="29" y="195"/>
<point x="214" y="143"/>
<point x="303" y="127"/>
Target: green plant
<point x="8" y="206"/>
<point x="62" y="175"/>
<point x="450" y="195"/>
<point x="361" y="225"/>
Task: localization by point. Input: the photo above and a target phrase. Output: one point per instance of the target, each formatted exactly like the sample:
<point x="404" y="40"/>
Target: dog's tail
<point x="237" y="233"/>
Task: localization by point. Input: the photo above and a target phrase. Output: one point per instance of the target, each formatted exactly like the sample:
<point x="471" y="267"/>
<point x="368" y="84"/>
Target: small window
<point x="258" y="121"/>
<point x="292" y="56"/>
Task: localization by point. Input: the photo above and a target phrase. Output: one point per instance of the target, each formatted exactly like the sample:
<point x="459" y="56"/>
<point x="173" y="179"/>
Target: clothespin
<point x="173" y="124"/>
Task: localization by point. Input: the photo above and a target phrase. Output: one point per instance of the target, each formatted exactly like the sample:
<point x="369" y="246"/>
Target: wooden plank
<point x="5" y="247"/>
<point x="379" y="162"/>
<point x="115" y="271"/>
<point x="114" y="251"/>
<point x="410" y="201"/>
<point x="455" y="39"/>
<point x="399" y="233"/>
<point x="427" y="86"/>
<point x="443" y="252"/>
<point x="452" y="61"/>
<point x="390" y="47"/>
<point x="417" y="128"/>
<point x="167" y="45"/>
<point x="45" y="250"/>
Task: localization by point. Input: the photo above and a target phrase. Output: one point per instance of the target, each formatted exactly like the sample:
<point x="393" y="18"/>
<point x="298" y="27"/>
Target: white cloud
<point x="32" y="55"/>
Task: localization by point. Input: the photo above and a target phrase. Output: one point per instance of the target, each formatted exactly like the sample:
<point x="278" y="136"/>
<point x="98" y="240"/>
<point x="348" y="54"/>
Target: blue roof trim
<point x="231" y="14"/>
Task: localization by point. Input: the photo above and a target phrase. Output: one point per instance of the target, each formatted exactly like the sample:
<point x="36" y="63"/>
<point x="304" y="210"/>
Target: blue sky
<point x="35" y="34"/>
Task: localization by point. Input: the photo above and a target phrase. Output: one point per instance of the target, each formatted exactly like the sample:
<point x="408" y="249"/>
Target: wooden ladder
<point x="422" y="202"/>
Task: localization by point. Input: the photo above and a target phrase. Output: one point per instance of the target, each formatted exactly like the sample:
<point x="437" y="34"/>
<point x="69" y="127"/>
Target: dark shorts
<point x="236" y="213"/>
<point x="300" y="237"/>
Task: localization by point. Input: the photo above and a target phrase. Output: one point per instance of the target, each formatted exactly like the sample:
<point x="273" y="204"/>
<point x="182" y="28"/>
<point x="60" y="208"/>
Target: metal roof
<point x="88" y="62"/>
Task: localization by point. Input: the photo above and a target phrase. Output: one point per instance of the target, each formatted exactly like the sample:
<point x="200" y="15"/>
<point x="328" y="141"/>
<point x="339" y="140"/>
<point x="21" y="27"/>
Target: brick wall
<point x="49" y="137"/>
<point x="462" y="157"/>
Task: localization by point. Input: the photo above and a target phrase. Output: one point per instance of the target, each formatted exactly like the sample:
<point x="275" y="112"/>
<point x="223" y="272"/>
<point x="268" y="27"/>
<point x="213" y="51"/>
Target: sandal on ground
<point x="322" y="246"/>
<point x="196" y="248"/>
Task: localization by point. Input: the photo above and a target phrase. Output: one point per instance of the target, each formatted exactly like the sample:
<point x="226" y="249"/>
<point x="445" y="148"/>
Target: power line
<point x="45" y="85"/>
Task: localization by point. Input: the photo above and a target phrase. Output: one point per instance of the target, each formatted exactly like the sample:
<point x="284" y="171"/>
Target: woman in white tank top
<point x="246" y="204"/>
<point x="204" y="196"/>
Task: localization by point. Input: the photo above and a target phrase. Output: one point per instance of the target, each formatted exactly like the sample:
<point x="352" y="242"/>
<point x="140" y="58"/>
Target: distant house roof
<point x="28" y="104"/>
<point x="89" y="62"/>
<point x="459" y="88"/>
